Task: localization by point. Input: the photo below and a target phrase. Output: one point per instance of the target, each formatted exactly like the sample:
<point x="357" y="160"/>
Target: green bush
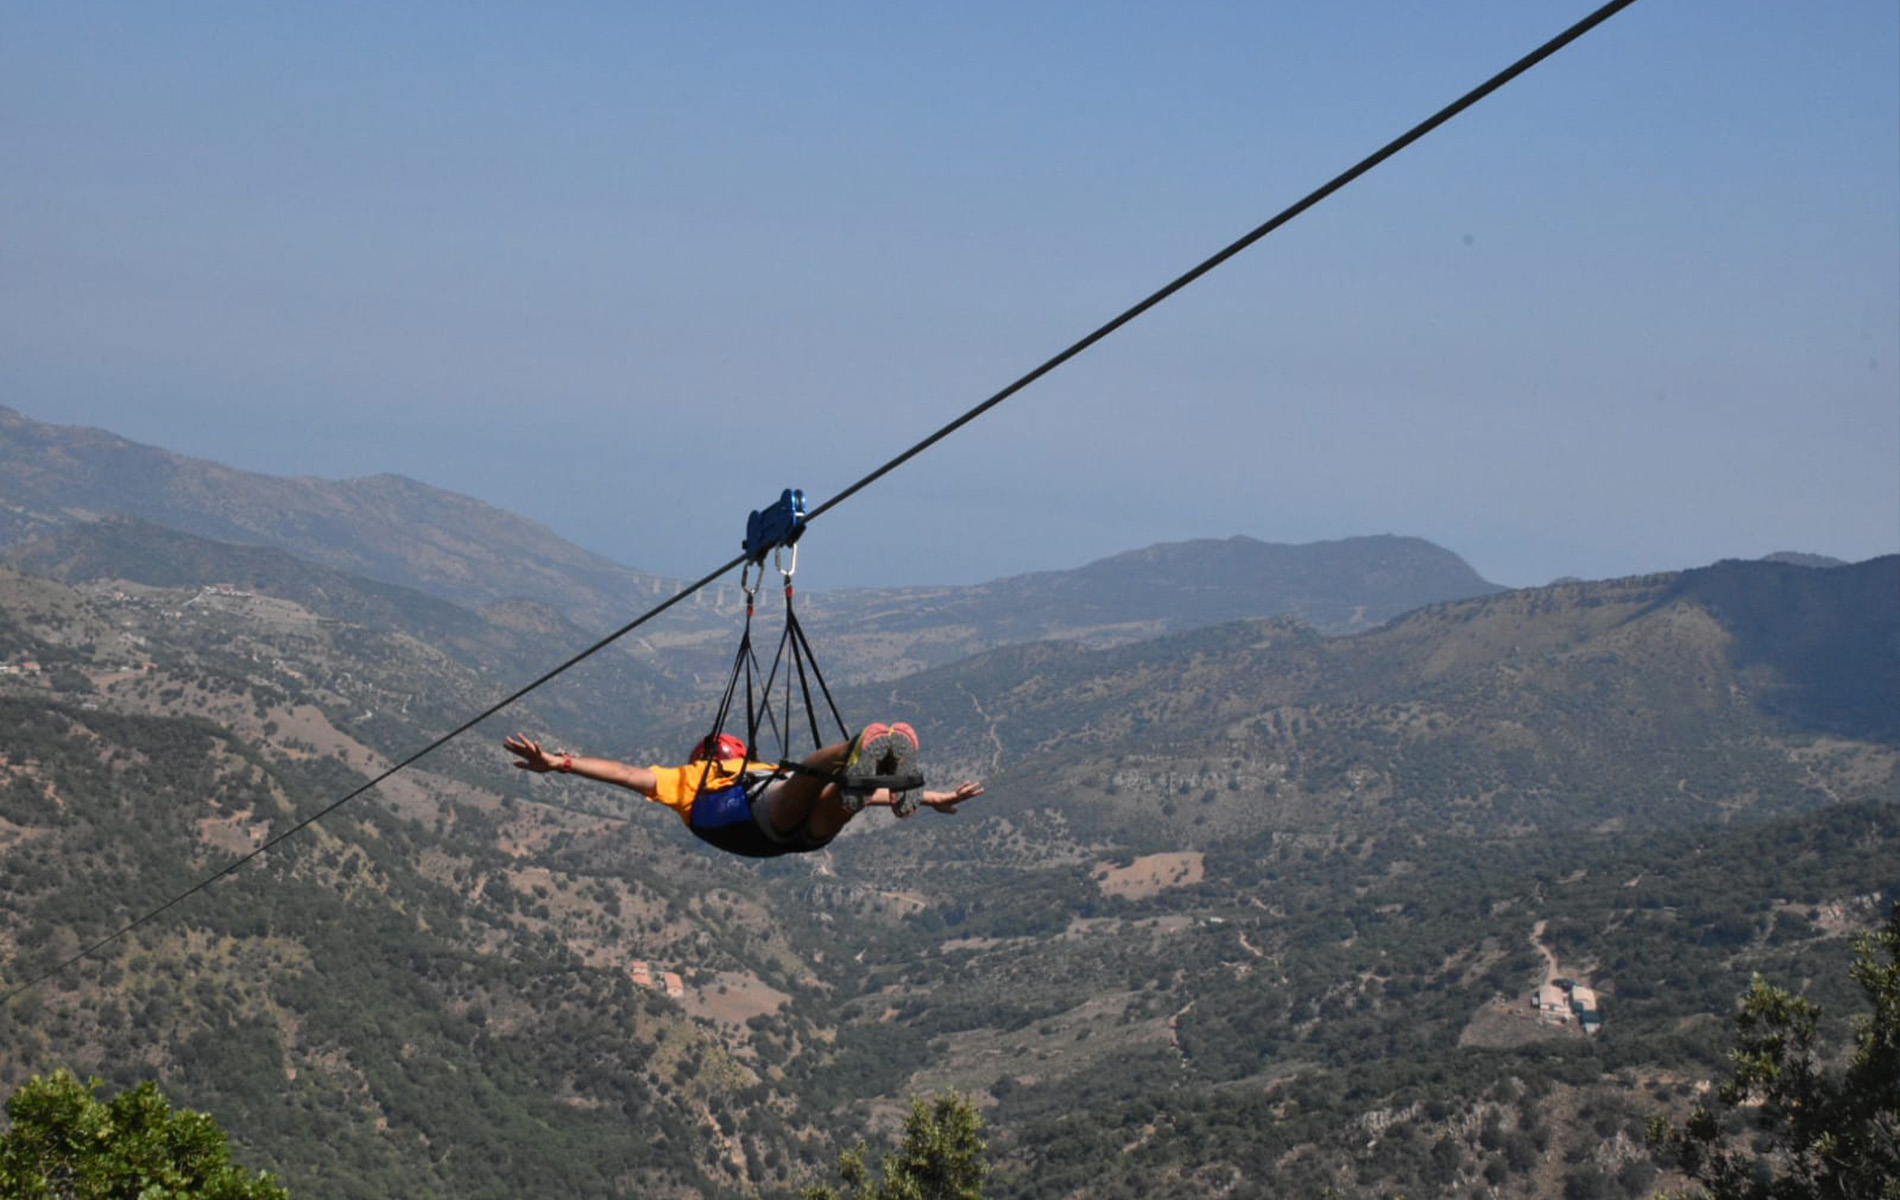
<point x="65" y="1142"/>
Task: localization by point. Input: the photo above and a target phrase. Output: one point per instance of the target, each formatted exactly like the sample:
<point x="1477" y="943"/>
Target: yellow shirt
<point x="678" y="787"/>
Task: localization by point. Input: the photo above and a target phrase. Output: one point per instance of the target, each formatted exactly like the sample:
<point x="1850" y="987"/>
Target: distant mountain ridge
<point x="384" y="527"/>
<point x="1338" y="587"/>
<point x="397" y="531"/>
<point x="1798" y="558"/>
<point x="1586" y="705"/>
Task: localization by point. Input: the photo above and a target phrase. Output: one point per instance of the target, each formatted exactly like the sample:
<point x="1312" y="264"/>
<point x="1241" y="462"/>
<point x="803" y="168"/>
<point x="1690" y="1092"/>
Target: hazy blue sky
<point x="630" y="269"/>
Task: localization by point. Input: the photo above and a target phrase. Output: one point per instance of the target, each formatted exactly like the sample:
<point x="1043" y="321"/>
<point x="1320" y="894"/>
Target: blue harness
<point x="724" y="818"/>
<point x="726" y="807"/>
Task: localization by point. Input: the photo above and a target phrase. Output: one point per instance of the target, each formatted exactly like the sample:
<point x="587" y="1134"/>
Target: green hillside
<point x="1247" y="910"/>
<point x="370" y="1012"/>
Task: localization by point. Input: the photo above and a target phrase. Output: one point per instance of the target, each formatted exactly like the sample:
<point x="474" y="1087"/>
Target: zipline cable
<point x="312" y="819"/>
<point x="1246" y="240"/>
<point x="1181" y="281"/>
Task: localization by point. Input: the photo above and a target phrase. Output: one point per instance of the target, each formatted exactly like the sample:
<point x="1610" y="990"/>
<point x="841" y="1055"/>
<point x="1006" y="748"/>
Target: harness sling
<point x="776" y="530"/>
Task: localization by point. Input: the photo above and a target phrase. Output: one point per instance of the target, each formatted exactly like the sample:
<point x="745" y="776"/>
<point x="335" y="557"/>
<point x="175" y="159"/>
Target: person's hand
<point x="532" y="757"/>
<point x="946" y="802"/>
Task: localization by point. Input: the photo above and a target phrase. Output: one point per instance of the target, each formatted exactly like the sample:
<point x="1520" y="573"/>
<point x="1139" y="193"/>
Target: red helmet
<point x="727" y="746"/>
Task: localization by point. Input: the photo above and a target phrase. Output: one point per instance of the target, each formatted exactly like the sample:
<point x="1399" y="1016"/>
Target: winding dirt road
<point x="1553" y="969"/>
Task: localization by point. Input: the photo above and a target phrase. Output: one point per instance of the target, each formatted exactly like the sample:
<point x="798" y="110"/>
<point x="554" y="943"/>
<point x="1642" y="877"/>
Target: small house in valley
<point x="1562" y="1000"/>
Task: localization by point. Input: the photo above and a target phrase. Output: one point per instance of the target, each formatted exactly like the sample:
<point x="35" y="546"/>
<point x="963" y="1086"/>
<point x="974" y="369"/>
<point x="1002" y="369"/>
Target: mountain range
<point x="55" y="481"/>
<point x="1277" y="845"/>
<point x="384" y="527"/>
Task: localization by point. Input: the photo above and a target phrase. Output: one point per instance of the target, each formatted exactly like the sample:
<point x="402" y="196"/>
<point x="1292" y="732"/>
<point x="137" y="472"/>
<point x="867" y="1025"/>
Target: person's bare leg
<point x="797" y="800"/>
<point x="829" y="815"/>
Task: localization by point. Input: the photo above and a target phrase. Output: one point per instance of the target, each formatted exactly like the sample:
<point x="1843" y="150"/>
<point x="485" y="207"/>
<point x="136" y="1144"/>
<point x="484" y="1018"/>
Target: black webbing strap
<point x="795" y="658"/>
<point x="803" y="657"/>
<point x="746" y="663"/>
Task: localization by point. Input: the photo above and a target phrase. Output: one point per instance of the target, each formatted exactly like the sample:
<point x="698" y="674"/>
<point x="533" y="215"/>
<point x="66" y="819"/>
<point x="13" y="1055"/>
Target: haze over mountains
<point x="56" y="480"/>
<point x="383" y="527"/>
<point x="1249" y="909"/>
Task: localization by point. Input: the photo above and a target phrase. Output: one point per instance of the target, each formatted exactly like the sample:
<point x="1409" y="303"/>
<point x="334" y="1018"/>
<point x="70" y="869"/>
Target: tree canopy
<point x="65" y="1142"/>
<point x="941" y="1158"/>
<point x="1815" y="1131"/>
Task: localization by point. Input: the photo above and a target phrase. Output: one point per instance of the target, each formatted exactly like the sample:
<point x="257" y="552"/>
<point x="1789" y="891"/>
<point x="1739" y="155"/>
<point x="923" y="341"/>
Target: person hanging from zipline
<point x="761" y="810"/>
<point x="764" y="809"/>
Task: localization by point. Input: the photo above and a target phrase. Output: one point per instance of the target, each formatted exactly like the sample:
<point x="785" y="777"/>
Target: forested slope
<point x="1245" y="910"/>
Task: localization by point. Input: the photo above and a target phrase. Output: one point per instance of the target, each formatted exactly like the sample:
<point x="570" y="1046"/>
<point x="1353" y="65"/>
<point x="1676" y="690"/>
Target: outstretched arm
<point x="531" y="757"/>
<point x="946" y="802"/>
<point x="943" y="802"/>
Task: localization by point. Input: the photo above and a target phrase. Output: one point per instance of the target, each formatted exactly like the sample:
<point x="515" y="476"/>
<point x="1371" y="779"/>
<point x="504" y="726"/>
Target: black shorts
<point x="737" y="819"/>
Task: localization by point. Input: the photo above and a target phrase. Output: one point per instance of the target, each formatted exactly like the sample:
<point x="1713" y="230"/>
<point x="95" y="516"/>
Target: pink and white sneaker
<point x="861" y="763"/>
<point x="904" y="754"/>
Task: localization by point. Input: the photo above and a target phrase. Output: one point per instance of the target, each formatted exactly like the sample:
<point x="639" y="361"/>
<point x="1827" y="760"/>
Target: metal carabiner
<point x="748" y="586"/>
<point x="778" y="560"/>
